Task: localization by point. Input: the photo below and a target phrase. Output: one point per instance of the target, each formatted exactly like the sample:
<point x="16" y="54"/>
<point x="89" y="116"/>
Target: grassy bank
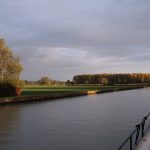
<point x="38" y="93"/>
<point x="44" y="90"/>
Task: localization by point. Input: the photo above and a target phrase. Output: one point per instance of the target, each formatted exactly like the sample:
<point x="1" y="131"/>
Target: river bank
<point x="36" y="94"/>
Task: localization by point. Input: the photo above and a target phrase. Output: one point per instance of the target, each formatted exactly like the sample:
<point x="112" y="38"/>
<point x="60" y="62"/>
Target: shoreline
<point x="35" y="98"/>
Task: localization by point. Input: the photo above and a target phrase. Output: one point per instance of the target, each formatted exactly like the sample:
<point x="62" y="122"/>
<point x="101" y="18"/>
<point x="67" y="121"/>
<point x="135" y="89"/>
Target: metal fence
<point x="138" y="133"/>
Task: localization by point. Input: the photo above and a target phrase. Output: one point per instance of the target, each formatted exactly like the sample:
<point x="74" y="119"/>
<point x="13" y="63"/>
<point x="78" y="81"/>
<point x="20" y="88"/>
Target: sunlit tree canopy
<point x="10" y="67"/>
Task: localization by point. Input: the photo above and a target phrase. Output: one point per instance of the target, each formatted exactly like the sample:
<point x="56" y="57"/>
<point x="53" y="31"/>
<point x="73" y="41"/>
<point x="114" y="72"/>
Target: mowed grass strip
<point x="38" y="90"/>
<point x="44" y="90"/>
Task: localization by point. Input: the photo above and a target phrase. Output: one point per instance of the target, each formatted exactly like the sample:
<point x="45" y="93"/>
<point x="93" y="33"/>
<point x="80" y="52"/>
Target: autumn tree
<point x="10" y="67"/>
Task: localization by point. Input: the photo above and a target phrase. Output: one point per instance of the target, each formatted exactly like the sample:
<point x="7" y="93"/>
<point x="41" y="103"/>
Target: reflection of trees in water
<point x="9" y="116"/>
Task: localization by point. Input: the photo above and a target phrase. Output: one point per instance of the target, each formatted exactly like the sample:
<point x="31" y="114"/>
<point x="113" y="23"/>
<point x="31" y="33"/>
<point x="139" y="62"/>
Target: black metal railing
<point x="138" y="133"/>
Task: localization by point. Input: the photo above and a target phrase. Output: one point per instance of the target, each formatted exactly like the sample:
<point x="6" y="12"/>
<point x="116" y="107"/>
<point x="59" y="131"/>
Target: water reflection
<point x="9" y="120"/>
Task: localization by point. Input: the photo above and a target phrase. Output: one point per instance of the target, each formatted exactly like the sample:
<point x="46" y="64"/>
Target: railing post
<point x="131" y="143"/>
<point x="137" y="133"/>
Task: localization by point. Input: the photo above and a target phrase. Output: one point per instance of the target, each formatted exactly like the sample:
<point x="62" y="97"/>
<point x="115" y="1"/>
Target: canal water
<point x="94" y="122"/>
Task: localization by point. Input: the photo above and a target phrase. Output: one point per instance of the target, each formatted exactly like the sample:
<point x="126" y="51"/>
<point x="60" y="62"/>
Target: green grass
<point x="36" y="90"/>
<point x="43" y="90"/>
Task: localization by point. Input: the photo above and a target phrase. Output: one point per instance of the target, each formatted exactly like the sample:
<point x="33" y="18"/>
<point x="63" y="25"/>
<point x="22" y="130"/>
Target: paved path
<point x="145" y="143"/>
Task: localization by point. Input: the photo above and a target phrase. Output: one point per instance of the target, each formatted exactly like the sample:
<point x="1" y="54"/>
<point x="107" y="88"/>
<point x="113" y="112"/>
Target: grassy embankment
<point x="38" y="93"/>
<point x="49" y="90"/>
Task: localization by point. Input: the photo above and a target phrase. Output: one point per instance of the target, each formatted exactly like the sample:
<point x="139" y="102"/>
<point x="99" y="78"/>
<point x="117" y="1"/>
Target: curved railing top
<point x="138" y="131"/>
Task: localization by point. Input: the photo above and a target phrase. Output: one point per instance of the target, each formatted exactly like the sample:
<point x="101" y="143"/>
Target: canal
<point x="94" y="122"/>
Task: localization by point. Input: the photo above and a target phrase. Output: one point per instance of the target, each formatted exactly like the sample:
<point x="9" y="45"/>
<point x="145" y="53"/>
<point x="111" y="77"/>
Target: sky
<point x="63" y="38"/>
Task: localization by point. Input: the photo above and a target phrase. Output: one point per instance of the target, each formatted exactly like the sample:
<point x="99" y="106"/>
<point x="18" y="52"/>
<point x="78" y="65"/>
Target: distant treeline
<point x="111" y="79"/>
<point x="44" y="81"/>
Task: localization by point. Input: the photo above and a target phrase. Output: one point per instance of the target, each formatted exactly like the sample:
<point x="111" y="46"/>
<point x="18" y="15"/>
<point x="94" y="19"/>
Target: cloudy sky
<point x="61" y="38"/>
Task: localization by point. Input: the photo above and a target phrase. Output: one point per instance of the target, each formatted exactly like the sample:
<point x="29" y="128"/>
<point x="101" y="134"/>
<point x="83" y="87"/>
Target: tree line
<point x="45" y="81"/>
<point x="111" y="79"/>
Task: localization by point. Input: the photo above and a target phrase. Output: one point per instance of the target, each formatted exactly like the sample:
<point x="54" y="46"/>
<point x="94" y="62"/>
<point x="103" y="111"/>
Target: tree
<point x="45" y="81"/>
<point x="10" y="67"/>
<point x="104" y="81"/>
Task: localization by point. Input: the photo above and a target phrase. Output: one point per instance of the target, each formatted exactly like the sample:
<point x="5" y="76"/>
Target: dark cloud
<point x="61" y="38"/>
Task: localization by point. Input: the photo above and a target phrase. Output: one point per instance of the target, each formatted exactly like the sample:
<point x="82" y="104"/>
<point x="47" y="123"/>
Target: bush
<point x="7" y="89"/>
<point x="104" y="81"/>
